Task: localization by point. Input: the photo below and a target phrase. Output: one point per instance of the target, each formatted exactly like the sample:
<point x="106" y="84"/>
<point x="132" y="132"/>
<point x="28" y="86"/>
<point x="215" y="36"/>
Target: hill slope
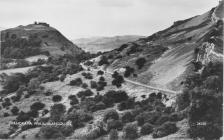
<point x="47" y="39"/>
<point x="103" y="44"/>
<point x="169" y="53"/>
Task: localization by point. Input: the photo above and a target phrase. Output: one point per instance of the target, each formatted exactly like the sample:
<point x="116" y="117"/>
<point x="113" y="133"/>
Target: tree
<point x="15" y="110"/>
<point x="111" y="114"/>
<point x="146" y="129"/>
<point x="103" y="61"/>
<point x="37" y="106"/>
<point x="57" y="112"/>
<point x="130" y="131"/>
<point x="113" y="135"/>
<point x="140" y="62"/>
<point x="56" y="98"/>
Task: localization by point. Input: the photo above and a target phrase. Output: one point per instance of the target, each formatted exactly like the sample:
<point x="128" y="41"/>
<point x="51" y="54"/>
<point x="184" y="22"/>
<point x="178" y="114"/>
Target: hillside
<point x="103" y="44"/>
<point x="131" y="92"/>
<point x="41" y="36"/>
<point x="168" y="54"/>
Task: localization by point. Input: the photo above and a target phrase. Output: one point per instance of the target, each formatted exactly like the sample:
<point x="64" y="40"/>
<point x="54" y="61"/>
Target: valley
<point x="163" y="86"/>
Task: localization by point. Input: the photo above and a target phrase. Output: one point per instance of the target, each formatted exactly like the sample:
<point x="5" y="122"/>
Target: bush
<point x="6" y="114"/>
<point x="140" y="62"/>
<point x="93" y="84"/>
<point x="164" y="130"/>
<point x="130" y="131"/>
<point x="57" y="112"/>
<point x="13" y="82"/>
<point x="146" y="129"/>
<point x="73" y="99"/>
<point x="128" y="104"/>
<point x="147" y="117"/>
<point x="101" y="78"/>
<point x="127" y="117"/>
<point x="84" y="85"/>
<point x="87" y="75"/>
<point x="76" y="82"/>
<point x="22" y="117"/>
<point x="100" y="72"/>
<point x="51" y="132"/>
<point x="113" y="135"/>
<point x="37" y="106"/>
<point x="15" y="110"/>
<point x="128" y="71"/>
<point x="111" y="114"/>
<point x="117" y="96"/>
<point x="114" y="124"/>
<point x="162" y="119"/>
<point x="103" y="61"/>
<point x="87" y="92"/>
<point x="101" y="85"/>
<point x="56" y="98"/>
<point x="6" y="104"/>
<point x="118" y="80"/>
<point x="78" y="117"/>
<point x="48" y="93"/>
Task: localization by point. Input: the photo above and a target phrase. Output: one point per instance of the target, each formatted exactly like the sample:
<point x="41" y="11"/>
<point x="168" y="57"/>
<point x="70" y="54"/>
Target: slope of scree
<point x="169" y="53"/>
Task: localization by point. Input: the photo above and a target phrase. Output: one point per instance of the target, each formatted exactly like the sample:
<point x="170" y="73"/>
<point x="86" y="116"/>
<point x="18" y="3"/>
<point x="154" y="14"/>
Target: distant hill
<point x="34" y="39"/>
<point x="103" y="44"/>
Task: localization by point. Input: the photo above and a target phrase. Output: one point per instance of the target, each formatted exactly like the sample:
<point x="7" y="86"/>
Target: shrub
<point x="101" y="85"/>
<point x="13" y="82"/>
<point x="77" y="117"/>
<point x="164" y="130"/>
<point x="147" y="117"/>
<point x="128" y="104"/>
<point x="50" y="132"/>
<point x="87" y="92"/>
<point x="146" y="129"/>
<point x="6" y="114"/>
<point x="162" y="119"/>
<point x="93" y="84"/>
<point x="76" y="82"/>
<point x="15" y="110"/>
<point x="113" y="135"/>
<point x="118" y="80"/>
<point x="6" y="104"/>
<point x="130" y="131"/>
<point x="117" y="96"/>
<point x="103" y="61"/>
<point x="57" y="112"/>
<point x="140" y="62"/>
<point x="22" y="117"/>
<point x="101" y="78"/>
<point x="111" y="114"/>
<point x="73" y="99"/>
<point x="127" y="117"/>
<point x="48" y="93"/>
<point x="128" y="71"/>
<point x="99" y="106"/>
<point x="56" y="98"/>
<point x="87" y="75"/>
<point x="100" y="72"/>
<point x="62" y="77"/>
<point x="114" y="124"/>
<point x="84" y="85"/>
<point x="37" y="106"/>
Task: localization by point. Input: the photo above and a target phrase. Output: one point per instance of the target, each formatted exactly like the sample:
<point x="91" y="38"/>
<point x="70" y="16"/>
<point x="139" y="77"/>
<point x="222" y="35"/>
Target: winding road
<point x="167" y="91"/>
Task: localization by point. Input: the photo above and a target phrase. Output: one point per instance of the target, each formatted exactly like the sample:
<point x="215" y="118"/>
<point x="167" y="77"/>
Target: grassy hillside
<point x="36" y="38"/>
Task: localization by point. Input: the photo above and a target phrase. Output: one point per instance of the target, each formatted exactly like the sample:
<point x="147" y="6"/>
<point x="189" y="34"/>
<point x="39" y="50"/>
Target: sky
<point x="88" y="18"/>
